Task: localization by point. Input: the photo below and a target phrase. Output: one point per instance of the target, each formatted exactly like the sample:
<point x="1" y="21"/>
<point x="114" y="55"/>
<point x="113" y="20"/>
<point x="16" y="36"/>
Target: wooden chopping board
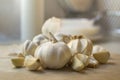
<point x="109" y="71"/>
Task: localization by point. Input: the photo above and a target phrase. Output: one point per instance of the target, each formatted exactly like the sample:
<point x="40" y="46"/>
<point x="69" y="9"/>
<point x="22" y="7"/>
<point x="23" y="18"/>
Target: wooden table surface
<point x="109" y="71"/>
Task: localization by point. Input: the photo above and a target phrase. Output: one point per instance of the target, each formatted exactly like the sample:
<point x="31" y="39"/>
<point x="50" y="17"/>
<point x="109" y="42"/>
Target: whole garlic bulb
<point x="29" y="48"/>
<point x="39" y="39"/>
<point x="51" y="25"/>
<point x="81" y="45"/>
<point x="53" y="55"/>
<point x="62" y="37"/>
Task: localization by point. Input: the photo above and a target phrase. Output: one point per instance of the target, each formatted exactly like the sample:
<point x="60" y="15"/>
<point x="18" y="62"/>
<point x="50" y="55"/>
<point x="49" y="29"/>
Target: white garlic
<point x="62" y="37"/>
<point x="29" y="48"/>
<point x="51" y="25"/>
<point x="83" y="46"/>
<point x="39" y="39"/>
<point x="31" y="63"/>
<point x="101" y="54"/>
<point x="54" y="54"/>
<point x="77" y="64"/>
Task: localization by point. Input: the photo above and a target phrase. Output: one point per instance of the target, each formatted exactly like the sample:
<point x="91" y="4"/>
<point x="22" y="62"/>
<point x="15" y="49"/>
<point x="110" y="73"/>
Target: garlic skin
<point x="62" y="37"/>
<point x="39" y="39"/>
<point x="29" y="48"/>
<point x="100" y="54"/>
<point x="51" y="25"/>
<point x="53" y="55"/>
<point x="83" y="46"/>
<point x="31" y="63"/>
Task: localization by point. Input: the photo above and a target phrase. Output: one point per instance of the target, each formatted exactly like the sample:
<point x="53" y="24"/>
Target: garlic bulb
<point x="62" y="37"/>
<point x="51" y="25"/>
<point x="29" y="48"/>
<point x="101" y="54"/>
<point x="39" y="39"/>
<point x="81" y="45"/>
<point x="53" y="54"/>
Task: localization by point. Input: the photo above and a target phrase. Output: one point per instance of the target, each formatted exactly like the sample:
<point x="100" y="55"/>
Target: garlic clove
<point x="93" y="63"/>
<point x="102" y="57"/>
<point x="31" y="63"/>
<point x="39" y="39"/>
<point x="77" y="64"/>
<point x="83" y="58"/>
<point x="18" y="62"/>
<point x="29" y="48"/>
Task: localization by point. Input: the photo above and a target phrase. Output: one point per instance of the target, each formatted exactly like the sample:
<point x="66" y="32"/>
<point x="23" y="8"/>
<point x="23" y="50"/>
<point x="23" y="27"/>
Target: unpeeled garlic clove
<point x="77" y="64"/>
<point x="29" y="48"/>
<point x="18" y="62"/>
<point x="93" y="63"/>
<point x="31" y="63"/>
<point x="98" y="48"/>
<point x="102" y="57"/>
<point x="83" y="58"/>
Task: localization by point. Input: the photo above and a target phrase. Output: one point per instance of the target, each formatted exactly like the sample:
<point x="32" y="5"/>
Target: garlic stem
<point x="53" y="38"/>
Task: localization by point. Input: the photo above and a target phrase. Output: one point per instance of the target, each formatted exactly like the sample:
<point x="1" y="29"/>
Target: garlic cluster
<point x="55" y="50"/>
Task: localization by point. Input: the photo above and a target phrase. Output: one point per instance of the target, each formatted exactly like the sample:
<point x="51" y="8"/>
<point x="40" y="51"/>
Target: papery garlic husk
<point x="77" y="64"/>
<point x="39" y="39"/>
<point x="62" y="37"/>
<point x="83" y="46"/>
<point x="51" y="25"/>
<point x="92" y="63"/>
<point x="100" y="54"/>
<point x="18" y="62"/>
<point x="53" y="55"/>
<point x="29" y="48"/>
<point x="32" y="63"/>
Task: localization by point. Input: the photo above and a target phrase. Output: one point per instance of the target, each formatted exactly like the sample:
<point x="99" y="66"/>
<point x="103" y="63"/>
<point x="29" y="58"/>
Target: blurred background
<point x="15" y="15"/>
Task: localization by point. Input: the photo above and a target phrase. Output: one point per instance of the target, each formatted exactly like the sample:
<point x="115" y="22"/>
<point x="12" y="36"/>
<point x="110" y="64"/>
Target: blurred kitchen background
<point x="15" y="15"/>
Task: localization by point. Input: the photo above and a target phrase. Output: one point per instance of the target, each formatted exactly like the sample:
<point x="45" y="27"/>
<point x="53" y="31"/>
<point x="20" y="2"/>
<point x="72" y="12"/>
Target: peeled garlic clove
<point x="93" y="63"/>
<point x="31" y="63"/>
<point x="83" y="58"/>
<point x="77" y="64"/>
<point x="18" y="62"/>
<point x="62" y="37"/>
<point x="29" y="48"/>
<point x="102" y="57"/>
<point x="39" y="39"/>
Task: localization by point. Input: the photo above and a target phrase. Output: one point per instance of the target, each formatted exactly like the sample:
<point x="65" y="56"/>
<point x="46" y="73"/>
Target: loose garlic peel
<point x="53" y="55"/>
<point x="81" y="45"/>
<point x="32" y="63"/>
<point x="77" y="64"/>
<point x="29" y="48"/>
<point x="39" y="39"/>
